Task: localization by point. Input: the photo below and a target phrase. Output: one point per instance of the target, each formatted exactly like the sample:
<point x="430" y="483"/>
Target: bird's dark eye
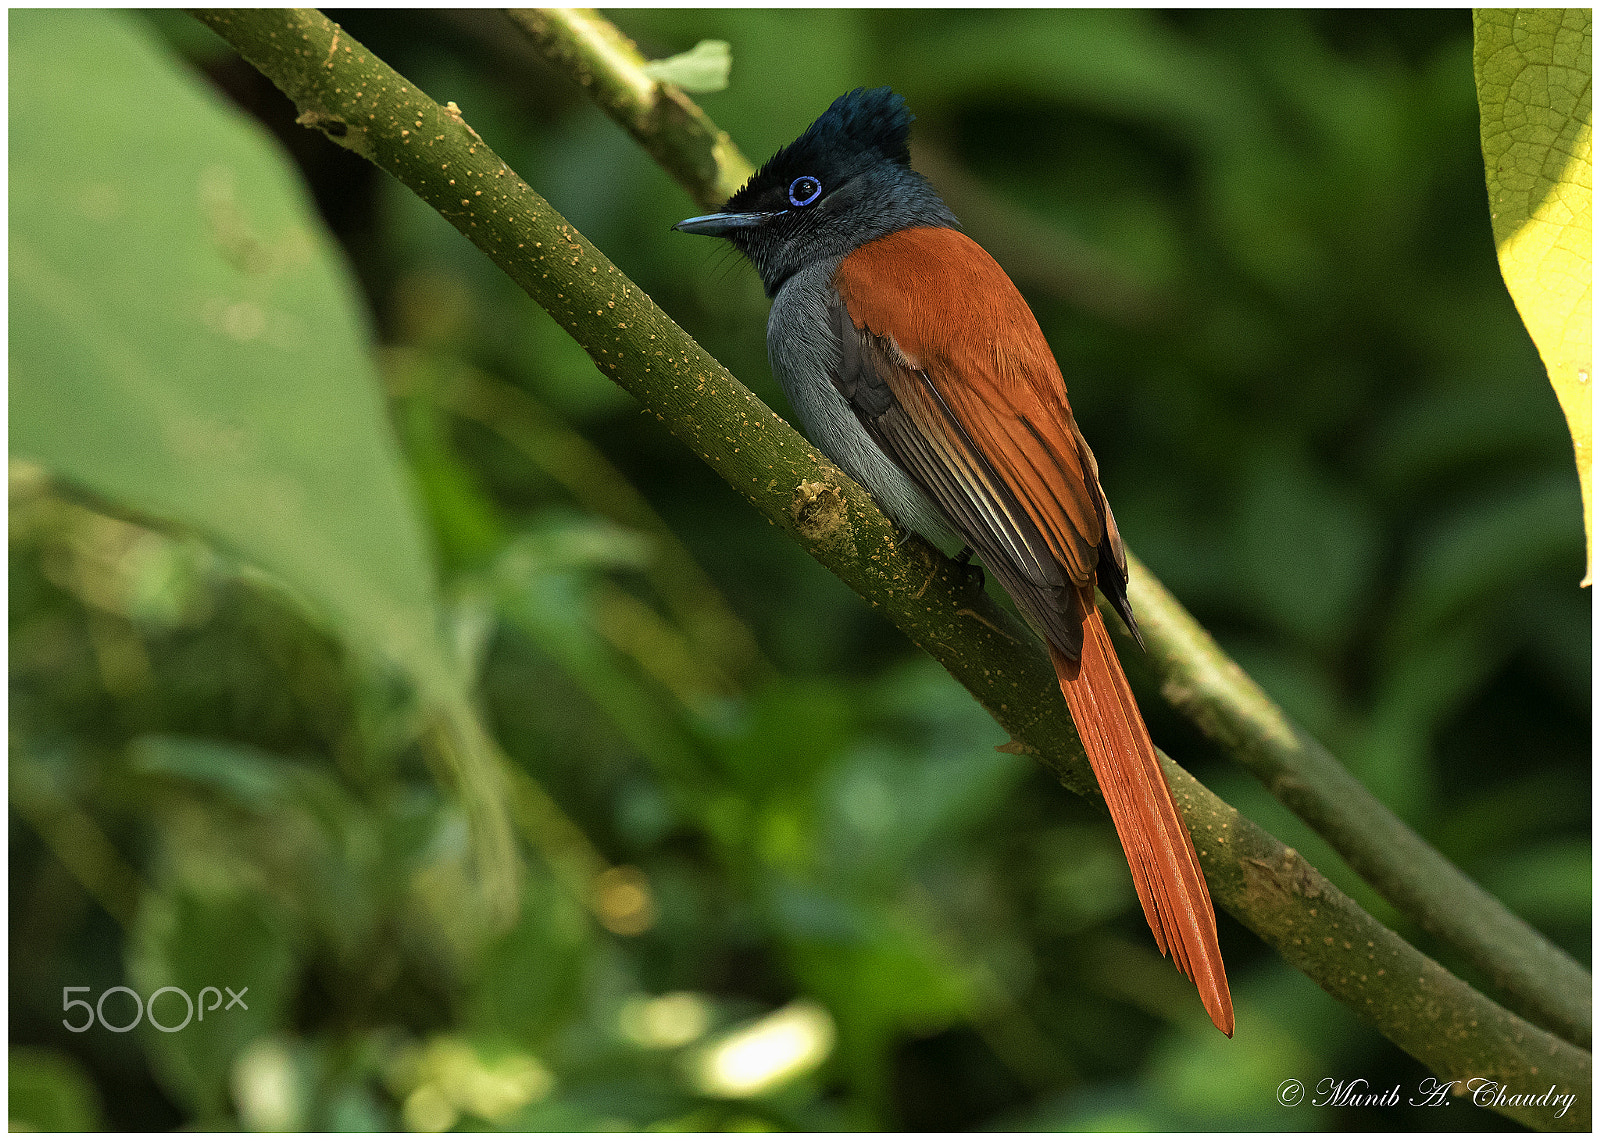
<point x="804" y="190"/>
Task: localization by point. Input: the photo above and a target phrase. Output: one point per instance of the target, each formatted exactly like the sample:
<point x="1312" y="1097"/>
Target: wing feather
<point x="950" y="374"/>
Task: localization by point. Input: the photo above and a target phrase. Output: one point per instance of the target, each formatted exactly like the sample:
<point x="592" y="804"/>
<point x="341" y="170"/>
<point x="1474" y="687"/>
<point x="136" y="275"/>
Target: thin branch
<point x="1536" y="978"/>
<point x="1416" y="1003"/>
<point x="360" y="102"/>
<point x="667" y="123"/>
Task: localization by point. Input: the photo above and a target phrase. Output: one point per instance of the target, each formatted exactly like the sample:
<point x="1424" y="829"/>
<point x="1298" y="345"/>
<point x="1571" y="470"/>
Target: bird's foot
<point x="973" y="571"/>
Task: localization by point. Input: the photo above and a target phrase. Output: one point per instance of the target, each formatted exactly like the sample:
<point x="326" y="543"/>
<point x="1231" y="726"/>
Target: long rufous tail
<point x="1166" y="873"/>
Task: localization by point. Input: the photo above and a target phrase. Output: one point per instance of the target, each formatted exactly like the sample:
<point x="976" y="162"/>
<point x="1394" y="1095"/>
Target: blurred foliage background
<point x="777" y="875"/>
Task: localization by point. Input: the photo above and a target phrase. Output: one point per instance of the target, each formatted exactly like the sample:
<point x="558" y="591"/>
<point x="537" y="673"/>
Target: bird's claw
<point x="972" y="570"/>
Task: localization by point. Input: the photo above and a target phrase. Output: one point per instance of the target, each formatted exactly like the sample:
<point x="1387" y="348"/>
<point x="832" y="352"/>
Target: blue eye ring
<point x="804" y="190"/>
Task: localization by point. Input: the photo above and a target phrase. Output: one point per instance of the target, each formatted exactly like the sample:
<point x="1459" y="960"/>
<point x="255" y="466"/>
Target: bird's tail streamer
<point x="1166" y="872"/>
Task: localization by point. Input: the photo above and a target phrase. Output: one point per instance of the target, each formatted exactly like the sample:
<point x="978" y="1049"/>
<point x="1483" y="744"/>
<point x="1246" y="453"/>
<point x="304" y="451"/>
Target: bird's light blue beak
<point x="721" y="225"/>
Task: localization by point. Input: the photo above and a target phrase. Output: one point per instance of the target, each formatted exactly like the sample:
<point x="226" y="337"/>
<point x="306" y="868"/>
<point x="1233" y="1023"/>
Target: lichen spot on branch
<point x="820" y="514"/>
<point x="351" y="138"/>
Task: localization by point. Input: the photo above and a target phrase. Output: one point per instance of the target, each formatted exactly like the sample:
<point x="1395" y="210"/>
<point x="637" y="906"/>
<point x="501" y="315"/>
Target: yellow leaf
<point x="1535" y="102"/>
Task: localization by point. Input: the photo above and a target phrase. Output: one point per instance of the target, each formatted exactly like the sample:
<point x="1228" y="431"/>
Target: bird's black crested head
<point x="844" y="182"/>
<point x="861" y="129"/>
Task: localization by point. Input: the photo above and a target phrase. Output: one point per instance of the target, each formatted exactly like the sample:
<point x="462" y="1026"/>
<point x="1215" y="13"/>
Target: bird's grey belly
<point x="805" y="353"/>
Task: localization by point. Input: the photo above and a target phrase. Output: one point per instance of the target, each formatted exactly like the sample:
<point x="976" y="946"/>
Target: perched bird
<point x="914" y="363"/>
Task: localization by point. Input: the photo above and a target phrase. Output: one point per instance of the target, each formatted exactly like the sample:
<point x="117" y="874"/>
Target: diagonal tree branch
<point x="1539" y="980"/>
<point x="362" y="103"/>
<point x="665" y="121"/>
<point x="1536" y="978"/>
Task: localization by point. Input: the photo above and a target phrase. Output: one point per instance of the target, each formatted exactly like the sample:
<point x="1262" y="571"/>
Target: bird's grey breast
<point x="808" y="357"/>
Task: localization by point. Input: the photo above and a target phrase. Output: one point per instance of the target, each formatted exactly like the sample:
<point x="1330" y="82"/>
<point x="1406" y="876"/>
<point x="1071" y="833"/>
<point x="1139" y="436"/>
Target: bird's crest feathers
<point x="862" y="128"/>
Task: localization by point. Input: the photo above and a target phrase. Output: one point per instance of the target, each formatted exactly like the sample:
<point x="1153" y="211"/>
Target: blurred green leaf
<point x="881" y="807"/>
<point x="1442" y="435"/>
<point x="49" y="1092"/>
<point x="788" y="733"/>
<point x="1123" y="61"/>
<point x="1083" y="878"/>
<point x="465" y="520"/>
<point x="533" y="977"/>
<point x="702" y="68"/>
<point x="1535" y="72"/>
<point x="1548" y="884"/>
<point x="880" y="973"/>
<point x="1480" y="548"/>
<point x="1296" y="527"/>
<point x="1416" y="694"/>
<point x="195" y="935"/>
<point x="1201" y="1089"/>
<point x="231" y="390"/>
<point x="543" y="586"/>
<point x="252" y="780"/>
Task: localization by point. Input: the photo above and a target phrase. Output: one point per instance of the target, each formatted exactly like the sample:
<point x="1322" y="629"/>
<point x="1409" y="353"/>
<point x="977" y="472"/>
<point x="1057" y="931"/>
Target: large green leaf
<point x="1535" y="100"/>
<point x="186" y="342"/>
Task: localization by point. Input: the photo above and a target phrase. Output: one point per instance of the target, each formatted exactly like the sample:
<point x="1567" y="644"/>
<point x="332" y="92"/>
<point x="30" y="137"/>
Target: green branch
<point x="360" y="102"/>
<point x="1412" y="1000"/>
<point x="1537" y="978"/>
<point x="665" y="121"/>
